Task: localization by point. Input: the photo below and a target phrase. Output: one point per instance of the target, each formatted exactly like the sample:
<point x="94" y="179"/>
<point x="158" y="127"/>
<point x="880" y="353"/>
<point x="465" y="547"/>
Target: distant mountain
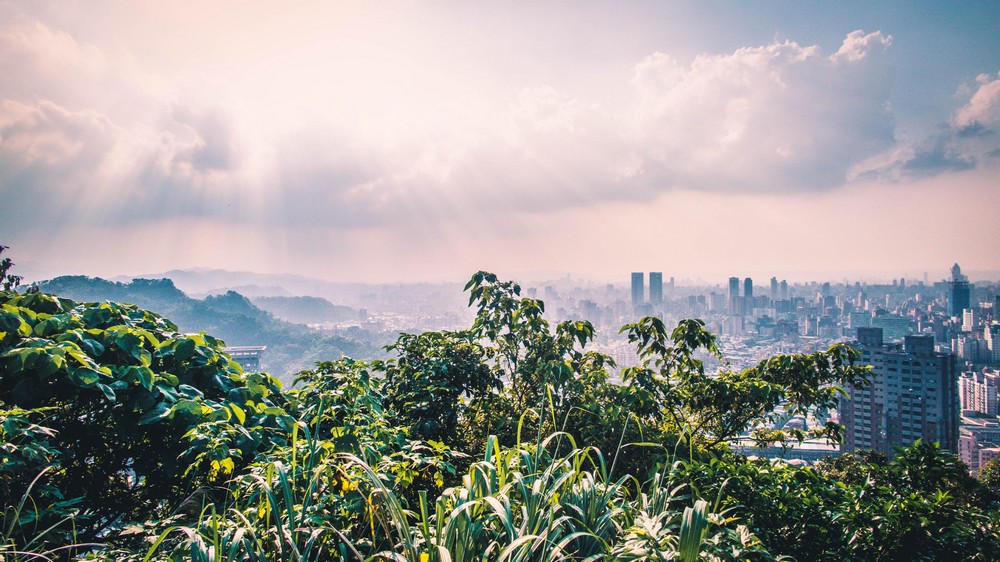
<point x="250" y="291"/>
<point x="305" y="310"/>
<point x="213" y="281"/>
<point x="230" y="317"/>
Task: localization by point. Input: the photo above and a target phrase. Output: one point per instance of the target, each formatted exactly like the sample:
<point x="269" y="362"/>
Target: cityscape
<point x="934" y="346"/>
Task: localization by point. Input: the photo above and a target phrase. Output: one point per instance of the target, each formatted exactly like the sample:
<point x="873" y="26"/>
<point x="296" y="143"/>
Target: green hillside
<point x="230" y="317"/>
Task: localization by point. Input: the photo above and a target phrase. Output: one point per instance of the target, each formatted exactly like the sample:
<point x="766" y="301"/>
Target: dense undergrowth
<point x="125" y="440"/>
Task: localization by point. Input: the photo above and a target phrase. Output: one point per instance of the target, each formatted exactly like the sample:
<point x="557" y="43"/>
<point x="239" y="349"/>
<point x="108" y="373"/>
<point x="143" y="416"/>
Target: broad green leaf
<point x="159" y="412"/>
<point x="241" y="416"/>
<point x="109" y="393"/>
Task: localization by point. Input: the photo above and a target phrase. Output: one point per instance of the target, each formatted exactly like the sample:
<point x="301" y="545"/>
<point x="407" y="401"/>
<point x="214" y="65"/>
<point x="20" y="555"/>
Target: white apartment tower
<point x="978" y="393"/>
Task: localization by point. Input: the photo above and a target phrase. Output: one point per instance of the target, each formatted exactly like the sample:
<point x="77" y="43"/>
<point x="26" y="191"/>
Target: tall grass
<point x="23" y="532"/>
<point x="515" y="504"/>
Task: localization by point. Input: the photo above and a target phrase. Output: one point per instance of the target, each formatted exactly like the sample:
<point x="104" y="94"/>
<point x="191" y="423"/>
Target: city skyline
<point x="423" y="141"/>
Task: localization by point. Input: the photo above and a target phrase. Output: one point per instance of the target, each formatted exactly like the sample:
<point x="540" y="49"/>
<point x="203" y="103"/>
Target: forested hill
<point x="229" y="316"/>
<point x="305" y="310"/>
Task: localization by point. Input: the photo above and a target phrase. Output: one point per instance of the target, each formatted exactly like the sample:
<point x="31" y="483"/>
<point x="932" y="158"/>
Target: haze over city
<point x="413" y="141"/>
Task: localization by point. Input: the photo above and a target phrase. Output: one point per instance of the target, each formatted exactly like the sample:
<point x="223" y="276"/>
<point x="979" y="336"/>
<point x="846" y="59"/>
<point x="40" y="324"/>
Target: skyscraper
<point x="913" y="395"/>
<point x="774" y="288"/>
<point x="638" y="290"/>
<point x="655" y="288"/>
<point x="734" y="296"/>
<point x="747" y="295"/>
<point x="959" y="292"/>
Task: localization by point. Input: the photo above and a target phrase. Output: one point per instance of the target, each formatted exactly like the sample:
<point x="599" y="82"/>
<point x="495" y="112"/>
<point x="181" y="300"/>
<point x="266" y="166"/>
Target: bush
<point x="130" y="415"/>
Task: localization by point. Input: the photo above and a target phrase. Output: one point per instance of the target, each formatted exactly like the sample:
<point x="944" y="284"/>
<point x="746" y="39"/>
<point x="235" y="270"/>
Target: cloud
<point x="49" y="62"/>
<point x="144" y="146"/>
<point x="49" y="157"/>
<point x="982" y="112"/>
<point x="777" y="118"/>
<point x="968" y="139"/>
<point x="214" y="144"/>
<point x="773" y="118"/>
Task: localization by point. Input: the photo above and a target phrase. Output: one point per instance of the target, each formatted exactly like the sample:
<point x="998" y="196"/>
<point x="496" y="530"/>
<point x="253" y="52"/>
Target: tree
<point x="432" y="372"/>
<point x="989" y="476"/>
<point x="546" y="370"/>
<point x="8" y="281"/>
<point x="128" y="415"/>
<point x="671" y="386"/>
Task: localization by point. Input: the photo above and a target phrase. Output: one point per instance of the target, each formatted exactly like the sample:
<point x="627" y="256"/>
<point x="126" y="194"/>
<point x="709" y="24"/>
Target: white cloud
<point x="778" y="117"/>
<point x="983" y="109"/>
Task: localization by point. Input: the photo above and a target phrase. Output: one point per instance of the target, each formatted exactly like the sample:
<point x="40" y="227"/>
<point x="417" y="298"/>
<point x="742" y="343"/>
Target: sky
<point x="422" y="141"/>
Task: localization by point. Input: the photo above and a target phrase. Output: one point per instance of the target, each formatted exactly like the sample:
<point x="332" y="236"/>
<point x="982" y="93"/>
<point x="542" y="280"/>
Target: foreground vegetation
<point x="125" y="440"/>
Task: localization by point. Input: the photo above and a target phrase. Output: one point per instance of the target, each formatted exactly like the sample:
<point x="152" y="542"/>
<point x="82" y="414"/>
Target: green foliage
<point x="8" y="281"/>
<point x="426" y="383"/>
<point x="549" y="374"/>
<point x="989" y="476"/>
<point x="103" y="393"/>
<point x="670" y="386"/>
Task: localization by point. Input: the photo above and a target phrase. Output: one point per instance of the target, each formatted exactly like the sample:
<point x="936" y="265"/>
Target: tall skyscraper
<point x="747" y="296"/>
<point x="784" y="289"/>
<point x="959" y="292"/>
<point x="638" y="290"/>
<point x="774" y="288"/>
<point x="734" y="296"/>
<point x="913" y="395"/>
<point x="655" y="288"/>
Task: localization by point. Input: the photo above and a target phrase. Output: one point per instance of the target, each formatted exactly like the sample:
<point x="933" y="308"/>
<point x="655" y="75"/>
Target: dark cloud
<point x="973" y="129"/>
<point x="938" y="160"/>
<point x="214" y="146"/>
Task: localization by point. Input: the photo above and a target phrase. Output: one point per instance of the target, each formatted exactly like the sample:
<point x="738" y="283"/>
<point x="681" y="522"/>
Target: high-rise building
<point x="747" y="296"/>
<point x="638" y="289"/>
<point x="978" y="393"/>
<point x="913" y="395"/>
<point x="991" y="337"/>
<point x="774" y="288"/>
<point x="734" y="296"/>
<point x="959" y="292"/>
<point x="717" y="302"/>
<point x="968" y="319"/>
<point x="655" y="288"/>
<point x="784" y="289"/>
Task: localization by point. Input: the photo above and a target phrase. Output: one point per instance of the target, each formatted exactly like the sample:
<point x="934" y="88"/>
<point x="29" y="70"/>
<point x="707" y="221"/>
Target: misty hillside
<point x="305" y="310"/>
<point x="230" y="316"/>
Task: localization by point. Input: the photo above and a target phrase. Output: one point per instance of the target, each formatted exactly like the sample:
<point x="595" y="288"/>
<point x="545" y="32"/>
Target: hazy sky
<point x="387" y="141"/>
